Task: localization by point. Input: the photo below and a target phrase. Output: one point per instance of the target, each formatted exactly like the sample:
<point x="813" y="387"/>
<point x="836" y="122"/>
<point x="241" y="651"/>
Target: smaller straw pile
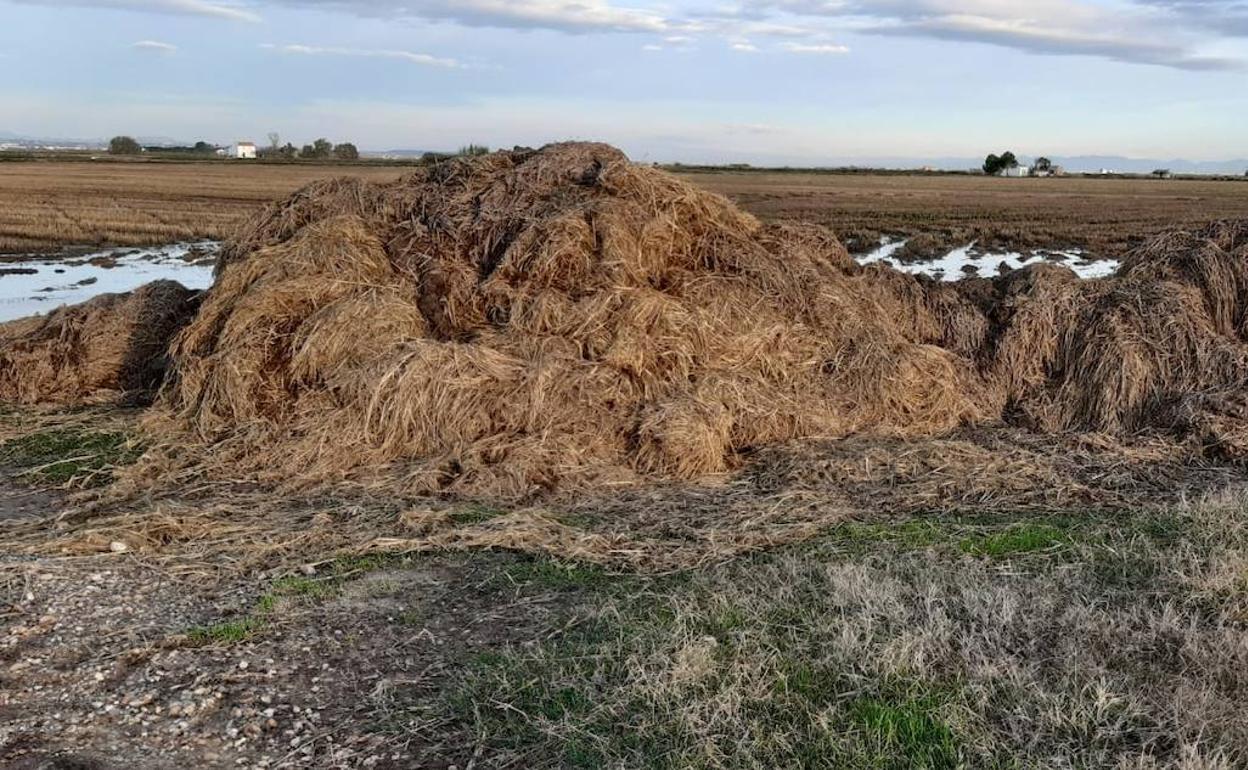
<point x="111" y="349"/>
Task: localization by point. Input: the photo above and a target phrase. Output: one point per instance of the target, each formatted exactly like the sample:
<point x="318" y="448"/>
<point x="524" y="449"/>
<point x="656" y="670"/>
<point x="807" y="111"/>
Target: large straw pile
<point x="510" y="323"/>
<point x="530" y="320"/>
<point x="113" y="348"/>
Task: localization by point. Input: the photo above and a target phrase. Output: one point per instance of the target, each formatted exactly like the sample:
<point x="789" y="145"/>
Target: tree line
<point x="995" y="164"/>
<point x="321" y="149"/>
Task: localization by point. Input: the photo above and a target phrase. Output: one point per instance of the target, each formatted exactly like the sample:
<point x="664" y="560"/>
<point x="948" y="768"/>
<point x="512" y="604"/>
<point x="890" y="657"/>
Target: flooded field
<point x="970" y="261"/>
<point x="40" y="284"/>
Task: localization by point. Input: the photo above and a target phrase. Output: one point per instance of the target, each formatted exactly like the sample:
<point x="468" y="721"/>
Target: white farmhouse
<point x="245" y="151"/>
<point x="1017" y="171"/>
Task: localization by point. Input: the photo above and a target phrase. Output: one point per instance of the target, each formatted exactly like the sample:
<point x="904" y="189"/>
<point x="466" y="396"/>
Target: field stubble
<point x="48" y="205"/>
<point x="1103" y="216"/>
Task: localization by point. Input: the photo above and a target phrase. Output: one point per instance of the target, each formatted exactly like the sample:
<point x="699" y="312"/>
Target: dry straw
<point x="516" y="323"/>
<point x="524" y="322"/>
<point x="113" y="348"/>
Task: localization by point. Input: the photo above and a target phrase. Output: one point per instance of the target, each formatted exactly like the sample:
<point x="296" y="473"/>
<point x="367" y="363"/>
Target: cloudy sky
<point x="697" y="80"/>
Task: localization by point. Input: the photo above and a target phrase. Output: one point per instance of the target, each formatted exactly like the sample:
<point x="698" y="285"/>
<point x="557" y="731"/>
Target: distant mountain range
<point x="8" y="137"/>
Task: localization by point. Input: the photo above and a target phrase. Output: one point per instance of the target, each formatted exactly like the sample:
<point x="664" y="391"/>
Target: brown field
<point x="47" y="205"/>
<point x="1105" y="216"/>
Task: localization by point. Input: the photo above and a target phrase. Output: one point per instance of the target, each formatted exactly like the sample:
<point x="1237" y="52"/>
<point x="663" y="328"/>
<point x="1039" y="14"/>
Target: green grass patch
<point x="292" y="588"/>
<point x="1017" y="539"/>
<point x="70" y="455"/>
<point x="905" y="733"/>
<point x="552" y="575"/>
<point x="305" y="588"/>
<point x="411" y="618"/>
<point x="914" y="534"/>
<point x="475" y="514"/>
<point x="225" y="633"/>
<point x="812" y="685"/>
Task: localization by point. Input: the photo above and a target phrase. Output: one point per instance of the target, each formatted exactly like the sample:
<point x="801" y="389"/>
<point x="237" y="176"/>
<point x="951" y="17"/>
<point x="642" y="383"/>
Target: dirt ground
<point x="946" y="621"/>
<point x="115" y="665"/>
<point x="47" y="205"/>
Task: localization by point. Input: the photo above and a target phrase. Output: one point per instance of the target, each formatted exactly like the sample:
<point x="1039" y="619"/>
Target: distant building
<point x="245" y="151"/>
<point x="1017" y="171"/>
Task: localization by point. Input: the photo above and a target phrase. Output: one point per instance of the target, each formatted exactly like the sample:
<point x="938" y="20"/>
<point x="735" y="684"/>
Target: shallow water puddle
<point x="957" y="264"/>
<point x="42" y="283"/>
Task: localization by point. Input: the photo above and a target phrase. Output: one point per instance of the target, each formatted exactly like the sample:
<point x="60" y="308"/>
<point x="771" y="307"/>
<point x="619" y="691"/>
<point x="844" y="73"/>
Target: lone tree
<point x="1043" y="164"/>
<point x="346" y="151"/>
<point x="203" y="148"/>
<point x="995" y="164"/>
<point x="123" y="145"/>
<point x="1162" y="173"/>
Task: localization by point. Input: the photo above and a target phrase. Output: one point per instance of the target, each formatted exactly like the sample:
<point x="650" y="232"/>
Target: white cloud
<point x="407" y="56"/>
<point x="745" y="47"/>
<point x="154" y="46"/>
<point x="1168" y="33"/>
<point x="1027" y="35"/>
<point x="218" y="10"/>
<point x="576" y="16"/>
<point x="818" y="48"/>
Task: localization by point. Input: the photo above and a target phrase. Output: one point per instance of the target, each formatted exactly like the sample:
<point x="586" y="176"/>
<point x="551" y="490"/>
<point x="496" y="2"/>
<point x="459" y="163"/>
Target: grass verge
<point x="943" y="643"/>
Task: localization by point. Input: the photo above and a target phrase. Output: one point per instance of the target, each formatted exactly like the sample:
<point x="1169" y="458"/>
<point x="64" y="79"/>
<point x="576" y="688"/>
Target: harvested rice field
<point x="48" y="205"/>
<point x="544" y="459"/>
<point x="1104" y="216"/>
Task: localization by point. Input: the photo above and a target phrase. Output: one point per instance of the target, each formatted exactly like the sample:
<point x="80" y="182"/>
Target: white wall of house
<point x="245" y="151"/>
